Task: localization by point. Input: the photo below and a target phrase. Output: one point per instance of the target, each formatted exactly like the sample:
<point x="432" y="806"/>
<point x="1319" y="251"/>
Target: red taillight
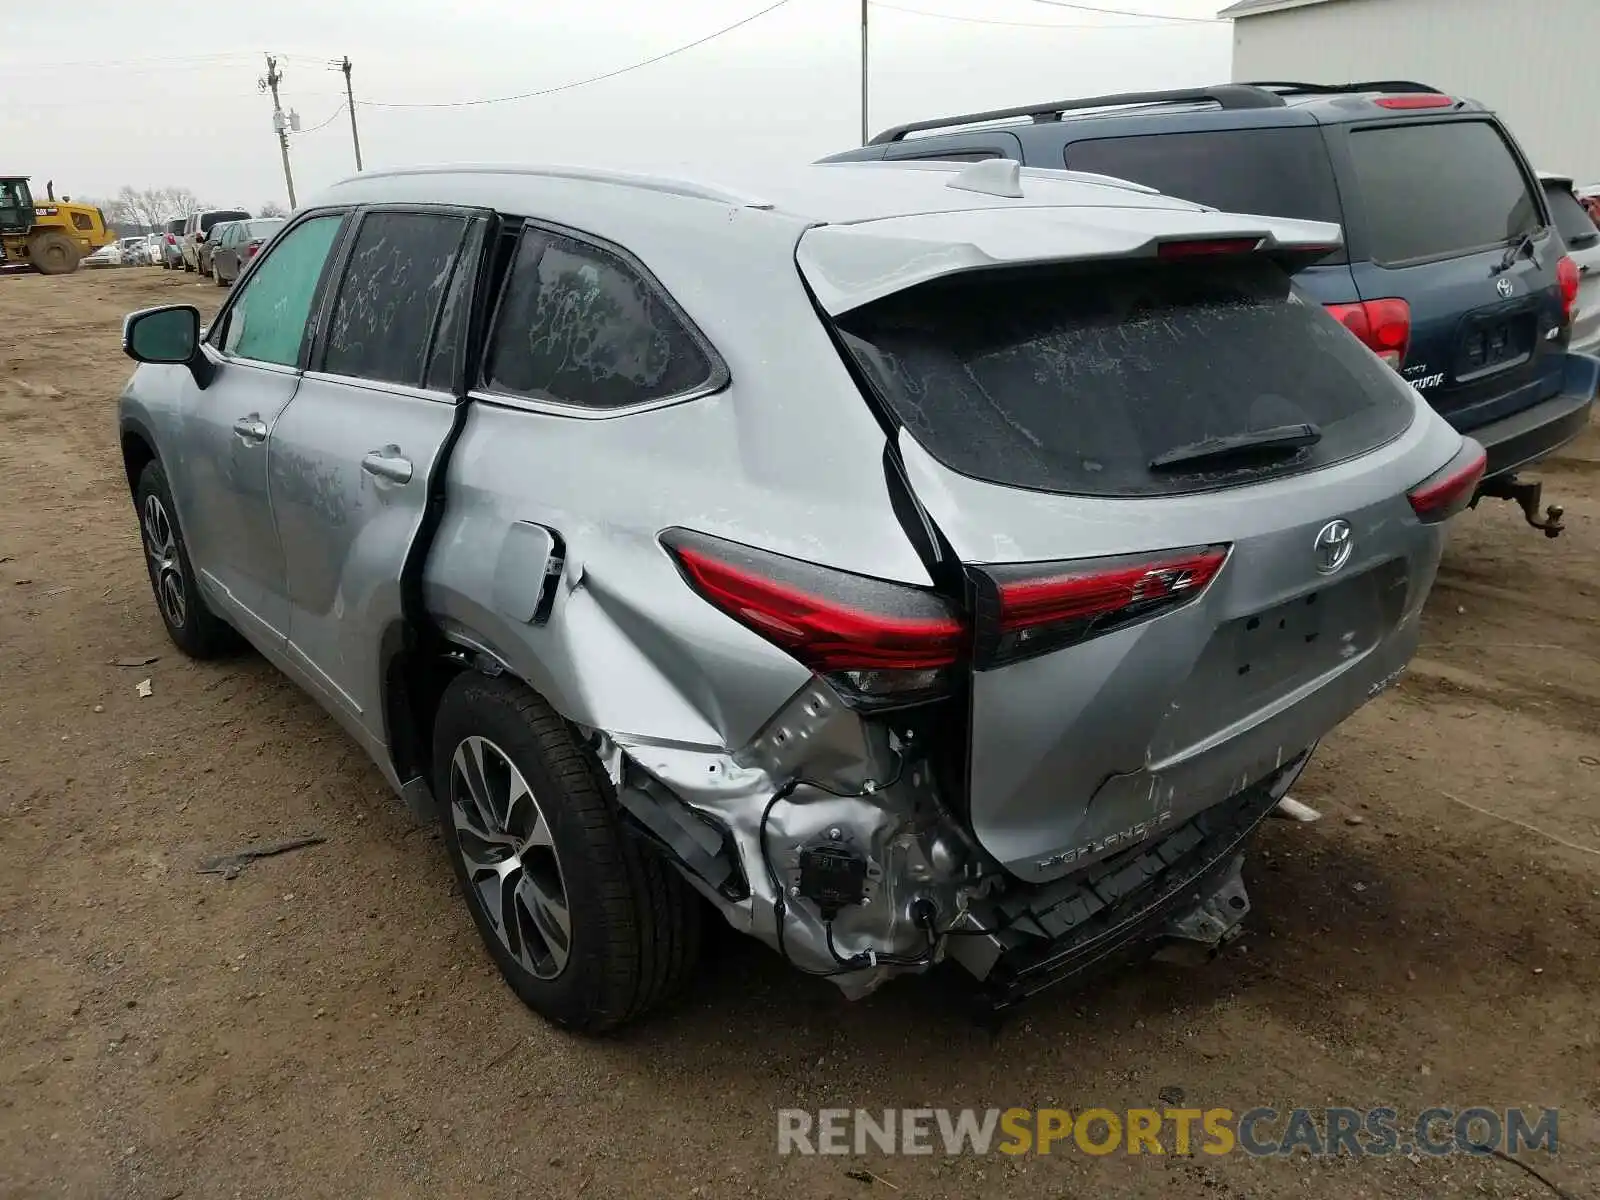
<point x="1428" y="100"/>
<point x="1567" y="277"/>
<point x="1384" y="326"/>
<point x="1027" y="609"/>
<point x="878" y="642"/>
<point x="1207" y="248"/>
<point x="250" y="250"/>
<point x="1446" y="492"/>
<point x="171" y="241"/>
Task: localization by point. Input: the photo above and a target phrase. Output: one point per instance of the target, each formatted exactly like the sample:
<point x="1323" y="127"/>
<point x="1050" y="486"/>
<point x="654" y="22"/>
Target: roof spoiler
<point x="848" y="266"/>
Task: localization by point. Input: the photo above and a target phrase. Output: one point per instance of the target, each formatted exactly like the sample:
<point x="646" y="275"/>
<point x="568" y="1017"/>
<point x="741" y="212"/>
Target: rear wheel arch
<point x="418" y="664"/>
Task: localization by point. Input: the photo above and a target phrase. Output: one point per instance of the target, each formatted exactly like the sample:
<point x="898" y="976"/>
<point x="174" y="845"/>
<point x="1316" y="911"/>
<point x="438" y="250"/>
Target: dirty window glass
<point x="452" y="329"/>
<point x="1437" y="189"/>
<point x="268" y="321"/>
<point x="577" y="325"/>
<point x="392" y="288"/>
<point x="1081" y="380"/>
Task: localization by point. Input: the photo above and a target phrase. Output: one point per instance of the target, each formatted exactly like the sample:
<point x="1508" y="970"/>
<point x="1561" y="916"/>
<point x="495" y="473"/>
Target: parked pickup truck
<point x="906" y="562"/>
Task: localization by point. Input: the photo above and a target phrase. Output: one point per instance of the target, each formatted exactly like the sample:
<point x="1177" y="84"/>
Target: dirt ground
<point x="326" y="1024"/>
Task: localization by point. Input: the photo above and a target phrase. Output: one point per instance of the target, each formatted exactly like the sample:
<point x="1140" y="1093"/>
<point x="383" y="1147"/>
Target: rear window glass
<point x="1274" y="172"/>
<point x="1438" y="189"/>
<point x="1572" y="221"/>
<point x="1078" y="380"/>
<point x="208" y="220"/>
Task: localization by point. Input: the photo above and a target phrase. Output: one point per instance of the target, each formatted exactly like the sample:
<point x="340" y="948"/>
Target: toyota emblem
<point x="1504" y="286"/>
<point x="1334" y="545"/>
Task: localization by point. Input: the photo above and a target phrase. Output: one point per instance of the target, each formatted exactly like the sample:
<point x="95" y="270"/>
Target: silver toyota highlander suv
<point x="910" y="561"/>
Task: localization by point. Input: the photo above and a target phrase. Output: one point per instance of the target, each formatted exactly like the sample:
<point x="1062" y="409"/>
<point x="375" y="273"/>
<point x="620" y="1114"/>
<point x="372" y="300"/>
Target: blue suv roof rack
<point x="1227" y="95"/>
<point x="1293" y="88"/>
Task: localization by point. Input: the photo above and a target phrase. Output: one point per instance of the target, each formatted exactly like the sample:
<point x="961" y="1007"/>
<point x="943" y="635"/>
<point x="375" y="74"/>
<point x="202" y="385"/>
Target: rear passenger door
<point x="352" y="457"/>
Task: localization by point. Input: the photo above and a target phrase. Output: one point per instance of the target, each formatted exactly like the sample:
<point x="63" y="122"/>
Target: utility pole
<point x="279" y="122"/>
<point x="350" y="98"/>
<point x="864" y="135"/>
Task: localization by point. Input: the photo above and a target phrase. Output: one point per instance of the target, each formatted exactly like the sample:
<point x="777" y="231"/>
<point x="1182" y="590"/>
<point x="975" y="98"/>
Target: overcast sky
<point x="170" y="98"/>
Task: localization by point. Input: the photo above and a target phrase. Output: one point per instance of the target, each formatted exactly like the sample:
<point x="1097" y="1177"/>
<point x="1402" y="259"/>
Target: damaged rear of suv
<point x="913" y="562"/>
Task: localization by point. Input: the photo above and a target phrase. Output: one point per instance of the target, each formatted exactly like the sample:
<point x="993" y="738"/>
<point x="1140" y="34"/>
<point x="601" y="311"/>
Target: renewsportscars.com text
<point x="1258" y="1132"/>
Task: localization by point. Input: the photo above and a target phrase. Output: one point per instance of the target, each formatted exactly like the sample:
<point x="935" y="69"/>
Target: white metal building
<point x="1531" y="61"/>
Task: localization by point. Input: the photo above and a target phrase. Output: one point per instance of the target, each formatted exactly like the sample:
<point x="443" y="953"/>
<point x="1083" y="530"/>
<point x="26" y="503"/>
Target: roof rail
<point x="1226" y="95"/>
<point x="1290" y="88"/>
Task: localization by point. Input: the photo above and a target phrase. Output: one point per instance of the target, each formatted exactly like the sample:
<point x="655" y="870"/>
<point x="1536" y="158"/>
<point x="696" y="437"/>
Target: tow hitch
<point x="1526" y="496"/>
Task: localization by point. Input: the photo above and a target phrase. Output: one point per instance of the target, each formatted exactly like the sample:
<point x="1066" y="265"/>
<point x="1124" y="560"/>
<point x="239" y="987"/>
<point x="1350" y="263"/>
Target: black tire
<point x="187" y="268"/>
<point x="192" y="626"/>
<point x="53" y="253"/>
<point x="635" y="924"/>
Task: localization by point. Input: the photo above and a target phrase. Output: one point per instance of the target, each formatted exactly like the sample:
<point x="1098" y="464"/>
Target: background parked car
<point x="132" y="250"/>
<point x="1578" y="231"/>
<point x="236" y="243"/>
<point x="152" y="248"/>
<point x="172" y="244"/>
<point x="201" y="224"/>
<point x="109" y="255"/>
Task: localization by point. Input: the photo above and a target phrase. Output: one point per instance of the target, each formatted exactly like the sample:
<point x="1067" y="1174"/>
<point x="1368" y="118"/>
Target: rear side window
<point x="1080" y="379"/>
<point x="1274" y="172"/>
<point x="580" y="325"/>
<point x="1433" y="190"/>
<point x="394" y="283"/>
<point x="1571" y="218"/>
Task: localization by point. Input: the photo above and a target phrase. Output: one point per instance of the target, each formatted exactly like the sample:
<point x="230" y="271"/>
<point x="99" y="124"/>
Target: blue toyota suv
<point x="1451" y="270"/>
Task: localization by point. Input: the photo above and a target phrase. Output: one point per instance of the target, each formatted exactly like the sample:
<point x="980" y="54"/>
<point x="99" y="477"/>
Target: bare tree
<point x="273" y="209"/>
<point x="150" y="207"/>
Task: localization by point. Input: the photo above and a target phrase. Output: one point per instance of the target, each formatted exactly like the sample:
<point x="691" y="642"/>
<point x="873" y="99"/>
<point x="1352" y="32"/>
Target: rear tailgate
<point x="1149" y="640"/>
<point x="1437" y="210"/>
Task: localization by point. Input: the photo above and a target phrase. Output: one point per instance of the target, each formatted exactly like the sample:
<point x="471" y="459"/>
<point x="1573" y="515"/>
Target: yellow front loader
<point x="51" y="237"/>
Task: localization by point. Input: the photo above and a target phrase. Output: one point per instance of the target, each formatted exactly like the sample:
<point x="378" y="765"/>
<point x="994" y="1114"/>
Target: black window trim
<point x="316" y="359"/>
<point x="241" y="286"/>
<point x="1358" y="232"/>
<point x="718" y="379"/>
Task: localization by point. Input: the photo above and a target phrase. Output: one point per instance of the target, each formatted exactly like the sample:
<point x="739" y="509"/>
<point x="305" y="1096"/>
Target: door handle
<point x="389" y="464"/>
<point x="251" y="428"/>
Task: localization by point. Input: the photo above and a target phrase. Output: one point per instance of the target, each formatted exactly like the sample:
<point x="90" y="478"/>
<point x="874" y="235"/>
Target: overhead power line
<point x="1124" y="12"/>
<point x="320" y="124"/>
<point x="578" y="83"/>
<point x="1075" y="26"/>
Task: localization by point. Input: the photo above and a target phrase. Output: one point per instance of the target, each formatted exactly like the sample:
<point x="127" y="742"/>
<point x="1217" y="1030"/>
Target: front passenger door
<point x="257" y="346"/>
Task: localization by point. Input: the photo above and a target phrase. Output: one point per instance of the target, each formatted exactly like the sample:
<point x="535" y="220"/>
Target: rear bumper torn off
<point x="1181" y="897"/>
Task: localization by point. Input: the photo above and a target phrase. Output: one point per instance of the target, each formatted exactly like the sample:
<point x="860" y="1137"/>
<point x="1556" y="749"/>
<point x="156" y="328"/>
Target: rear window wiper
<point x="1280" y="439"/>
<point x="1524" y="245"/>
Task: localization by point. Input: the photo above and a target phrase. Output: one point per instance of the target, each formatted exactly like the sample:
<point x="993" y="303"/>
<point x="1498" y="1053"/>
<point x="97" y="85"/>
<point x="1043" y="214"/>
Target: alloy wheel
<point x="506" y="848"/>
<point x="161" y="544"/>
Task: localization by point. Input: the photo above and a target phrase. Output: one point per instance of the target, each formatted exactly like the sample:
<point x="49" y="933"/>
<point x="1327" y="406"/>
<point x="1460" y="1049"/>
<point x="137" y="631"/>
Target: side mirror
<point x="168" y="335"/>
